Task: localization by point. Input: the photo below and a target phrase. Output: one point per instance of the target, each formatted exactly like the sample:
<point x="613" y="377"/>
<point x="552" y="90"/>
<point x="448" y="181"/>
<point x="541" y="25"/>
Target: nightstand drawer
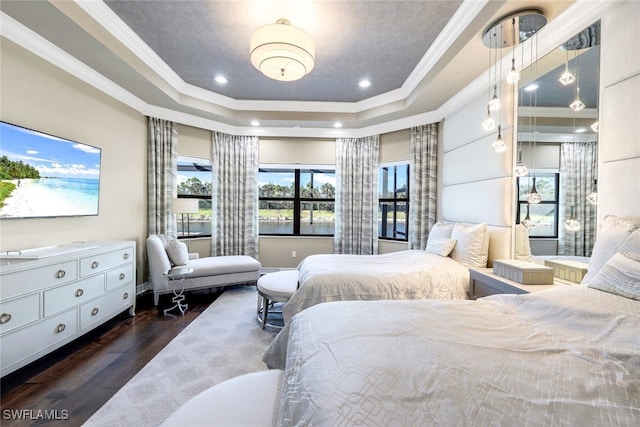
<point x="479" y="289"/>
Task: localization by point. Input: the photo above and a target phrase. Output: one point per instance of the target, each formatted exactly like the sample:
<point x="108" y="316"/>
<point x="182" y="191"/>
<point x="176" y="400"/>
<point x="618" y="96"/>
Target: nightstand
<point x="482" y="283"/>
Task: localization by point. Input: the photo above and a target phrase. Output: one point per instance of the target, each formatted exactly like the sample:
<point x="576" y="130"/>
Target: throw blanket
<point x="565" y="356"/>
<point x="411" y="274"/>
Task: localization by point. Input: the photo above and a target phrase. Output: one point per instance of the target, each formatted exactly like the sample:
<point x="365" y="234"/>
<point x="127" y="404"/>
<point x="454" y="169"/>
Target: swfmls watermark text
<point x="35" y="414"/>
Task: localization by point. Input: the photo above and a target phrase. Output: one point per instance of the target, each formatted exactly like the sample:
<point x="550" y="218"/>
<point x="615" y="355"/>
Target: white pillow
<point x="472" y="244"/>
<point x="611" y="237"/>
<point x="440" y="230"/>
<point x="523" y="247"/>
<point x="178" y="252"/>
<point x="442" y="247"/>
<point x="620" y="275"/>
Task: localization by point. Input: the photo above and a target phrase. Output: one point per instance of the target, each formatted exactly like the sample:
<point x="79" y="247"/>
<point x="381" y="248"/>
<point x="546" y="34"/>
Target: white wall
<point x="39" y="96"/>
<point x="619" y="144"/>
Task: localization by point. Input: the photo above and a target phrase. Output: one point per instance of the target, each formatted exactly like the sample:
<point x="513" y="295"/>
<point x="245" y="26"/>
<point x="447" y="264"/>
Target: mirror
<point x="558" y="145"/>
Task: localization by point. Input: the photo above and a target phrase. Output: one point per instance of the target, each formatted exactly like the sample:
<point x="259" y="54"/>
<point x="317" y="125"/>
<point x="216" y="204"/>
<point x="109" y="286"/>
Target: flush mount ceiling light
<point x="282" y="52"/>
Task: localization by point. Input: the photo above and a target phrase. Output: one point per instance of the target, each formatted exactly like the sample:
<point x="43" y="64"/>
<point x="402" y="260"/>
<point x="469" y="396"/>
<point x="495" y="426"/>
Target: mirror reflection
<point x="557" y="145"/>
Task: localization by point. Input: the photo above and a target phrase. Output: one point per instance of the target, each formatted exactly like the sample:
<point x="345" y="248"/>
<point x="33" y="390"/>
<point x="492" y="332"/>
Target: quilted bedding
<point x="410" y="274"/>
<point x="566" y="356"/>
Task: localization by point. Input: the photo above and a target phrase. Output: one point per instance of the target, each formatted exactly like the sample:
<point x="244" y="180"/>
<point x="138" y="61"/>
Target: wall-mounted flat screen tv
<point x="42" y="175"/>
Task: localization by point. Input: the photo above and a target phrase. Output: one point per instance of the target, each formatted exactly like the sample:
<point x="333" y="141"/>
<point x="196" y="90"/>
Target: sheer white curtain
<point x="578" y="165"/>
<point x="356" y="196"/>
<point x="234" y="216"/>
<point x="162" y="159"/>
<point x="422" y="184"/>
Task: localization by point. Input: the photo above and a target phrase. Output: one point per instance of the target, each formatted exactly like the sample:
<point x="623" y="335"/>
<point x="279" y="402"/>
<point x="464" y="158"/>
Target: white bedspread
<point x="566" y="356"/>
<point x="410" y="274"/>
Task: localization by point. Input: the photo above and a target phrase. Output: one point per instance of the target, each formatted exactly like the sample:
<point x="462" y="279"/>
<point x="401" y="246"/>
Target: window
<point x="298" y="202"/>
<point x="545" y="213"/>
<point x="194" y="182"/>
<point x="393" y="208"/>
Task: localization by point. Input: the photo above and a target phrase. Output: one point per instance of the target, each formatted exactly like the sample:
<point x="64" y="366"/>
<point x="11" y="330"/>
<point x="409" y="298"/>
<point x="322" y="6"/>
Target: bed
<point x="440" y="271"/>
<point x="569" y="355"/>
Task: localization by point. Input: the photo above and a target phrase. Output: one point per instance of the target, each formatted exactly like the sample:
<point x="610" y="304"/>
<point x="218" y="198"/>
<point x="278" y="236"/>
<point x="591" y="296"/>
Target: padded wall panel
<point x="477" y="162"/>
<point x="465" y="126"/>
<point x="619" y="188"/>
<point x="476" y="202"/>
<point x="499" y="243"/>
<point x="619" y="114"/>
<point x="620" y="58"/>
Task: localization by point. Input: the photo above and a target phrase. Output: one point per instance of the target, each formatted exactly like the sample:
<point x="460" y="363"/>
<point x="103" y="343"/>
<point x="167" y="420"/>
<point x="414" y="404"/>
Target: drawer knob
<point x="60" y="274"/>
<point x="94" y="264"/>
<point x="79" y="293"/>
<point x="122" y="276"/>
<point x="4" y="318"/>
<point x="61" y="327"/>
<point x="125" y="256"/>
<point x="94" y="311"/>
<point x="125" y="295"/>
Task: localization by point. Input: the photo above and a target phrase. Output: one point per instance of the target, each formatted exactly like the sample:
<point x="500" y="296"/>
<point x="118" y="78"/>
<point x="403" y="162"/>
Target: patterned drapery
<point x="423" y="183"/>
<point x="161" y="175"/>
<point x="234" y="195"/>
<point x="356" y="196"/>
<point x="578" y="165"/>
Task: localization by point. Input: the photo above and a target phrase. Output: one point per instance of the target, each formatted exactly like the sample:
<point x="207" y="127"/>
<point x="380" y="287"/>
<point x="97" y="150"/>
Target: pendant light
<point x="534" y="197"/>
<point x="499" y="146"/>
<point x="514" y="76"/>
<point x="488" y="124"/>
<point x="571" y="223"/>
<point x="520" y="169"/>
<point x="527" y="222"/>
<point x="567" y="77"/>
<point x="593" y="196"/>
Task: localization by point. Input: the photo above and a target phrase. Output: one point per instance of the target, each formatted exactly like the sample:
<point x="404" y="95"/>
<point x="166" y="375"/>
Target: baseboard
<point x="142" y="287"/>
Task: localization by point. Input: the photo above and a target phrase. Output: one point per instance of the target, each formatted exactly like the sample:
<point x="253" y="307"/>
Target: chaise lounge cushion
<point x="215" y="266"/>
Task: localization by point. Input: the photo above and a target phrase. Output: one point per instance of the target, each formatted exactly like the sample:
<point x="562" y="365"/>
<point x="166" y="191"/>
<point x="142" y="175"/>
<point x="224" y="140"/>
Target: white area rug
<point x="223" y="342"/>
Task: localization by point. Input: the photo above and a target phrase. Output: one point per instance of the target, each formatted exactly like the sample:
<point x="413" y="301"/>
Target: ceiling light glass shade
<point x="494" y="104"/>
<point x="595" y="127"/>
<point x="566" y="78"/>
<point x="593" y="196"/>
<point x="520" y="169"/>
<point x="514" y="76"/>
<point x="488" y="124"/>
<point x="571" y="223"/>
<point x="534" y="197"/>
<point x="527" y="222"/>
<point x="282" y="52"/>
<point x="577" y="105"/>
<point x="499" y="146"/>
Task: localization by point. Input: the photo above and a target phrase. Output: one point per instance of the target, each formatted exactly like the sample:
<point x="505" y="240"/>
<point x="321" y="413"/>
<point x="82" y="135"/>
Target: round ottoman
<point x="275" y="287"/>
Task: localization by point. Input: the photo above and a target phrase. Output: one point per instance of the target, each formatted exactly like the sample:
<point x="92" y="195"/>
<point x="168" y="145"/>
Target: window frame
<point x="555" y="202"/>
<point x="297" y="199"/>
<point x="395" y="200"/>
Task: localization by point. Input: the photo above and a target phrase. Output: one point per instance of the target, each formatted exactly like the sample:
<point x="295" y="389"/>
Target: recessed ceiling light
<point x="221" y="79"/>
<point x="337" y="125"/>
<point x="580" y="130"/>
<point x="364" y="83"/>
<point x="531" y="87"/>
<point x="255" y="123"/>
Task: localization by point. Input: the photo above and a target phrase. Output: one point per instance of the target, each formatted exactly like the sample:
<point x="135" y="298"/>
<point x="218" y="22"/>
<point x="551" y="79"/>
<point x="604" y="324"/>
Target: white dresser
<point x="59" y="294"/>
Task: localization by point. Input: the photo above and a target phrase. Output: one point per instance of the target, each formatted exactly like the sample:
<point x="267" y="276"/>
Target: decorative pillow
<point x="440" y="230"/>
<point x="611" y="237"/>
<point x="472" y="244"/>
<point x="442" y="247"/>
<point x="523" y="248"/>
<point x="178" y="252"/>
<point x="620" y="275"/>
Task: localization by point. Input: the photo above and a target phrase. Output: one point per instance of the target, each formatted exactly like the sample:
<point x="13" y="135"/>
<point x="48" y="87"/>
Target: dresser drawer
<point x="70" y="295"/>
<point x="27" y="281"/>
<point x="18" y="312"/>
<point x="119" y="276"/>
<point x="100" y="308"/>
<point x="102" y="262"/>
<point x="31" y="340"/>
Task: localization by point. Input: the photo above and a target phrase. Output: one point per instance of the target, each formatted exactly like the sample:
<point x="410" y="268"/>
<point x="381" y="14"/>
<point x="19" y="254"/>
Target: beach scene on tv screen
<point x="45" y="176"/>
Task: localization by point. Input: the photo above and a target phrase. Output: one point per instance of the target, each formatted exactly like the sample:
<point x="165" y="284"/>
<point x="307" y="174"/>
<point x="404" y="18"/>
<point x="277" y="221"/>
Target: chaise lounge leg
<point x="156" y="298"/>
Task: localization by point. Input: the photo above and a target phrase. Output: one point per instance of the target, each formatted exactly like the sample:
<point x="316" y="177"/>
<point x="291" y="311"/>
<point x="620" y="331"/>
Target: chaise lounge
<point x="208" y="272"/>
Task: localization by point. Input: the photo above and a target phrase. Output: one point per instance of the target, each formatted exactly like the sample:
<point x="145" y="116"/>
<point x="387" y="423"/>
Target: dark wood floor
<point x="75" y="381"/>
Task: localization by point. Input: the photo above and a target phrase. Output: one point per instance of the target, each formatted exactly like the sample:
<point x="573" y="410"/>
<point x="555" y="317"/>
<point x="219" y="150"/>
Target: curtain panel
<point x="162" y="159"/>
<point x="578" y="169"/>
<point x="356" y="196"/>
<point x="234" y="216"/>
<point x="423" y="183"/>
